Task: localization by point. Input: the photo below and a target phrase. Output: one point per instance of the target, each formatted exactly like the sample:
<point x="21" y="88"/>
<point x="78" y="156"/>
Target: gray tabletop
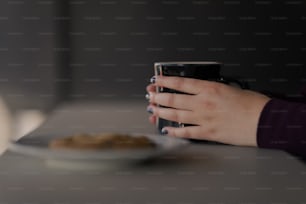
<point x="198" y="173"/>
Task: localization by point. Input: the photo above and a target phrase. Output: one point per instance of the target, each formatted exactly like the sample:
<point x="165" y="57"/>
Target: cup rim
<point x="187" y="63"/>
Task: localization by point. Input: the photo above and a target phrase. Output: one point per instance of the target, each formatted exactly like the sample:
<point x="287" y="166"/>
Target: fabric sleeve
<point x="282" y="125"/>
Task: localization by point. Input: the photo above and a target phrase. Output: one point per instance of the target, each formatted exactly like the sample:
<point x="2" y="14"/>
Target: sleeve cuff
<point x="282" y="126"/>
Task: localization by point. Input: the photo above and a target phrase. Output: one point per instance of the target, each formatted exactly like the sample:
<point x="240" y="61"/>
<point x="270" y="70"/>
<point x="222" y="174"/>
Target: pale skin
<point x="219" y="112"/>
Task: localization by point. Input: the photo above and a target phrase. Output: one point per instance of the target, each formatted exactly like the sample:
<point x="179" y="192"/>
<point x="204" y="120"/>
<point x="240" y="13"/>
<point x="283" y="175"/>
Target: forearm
<point x="282" y="125"/>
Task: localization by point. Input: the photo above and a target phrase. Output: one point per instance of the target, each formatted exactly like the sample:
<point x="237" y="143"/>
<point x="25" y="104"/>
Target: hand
<point x="218" y="112"/>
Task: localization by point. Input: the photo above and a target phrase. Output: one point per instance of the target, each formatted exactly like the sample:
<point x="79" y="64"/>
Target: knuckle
<point x="170" y="100"/>
<point x="156" y="111"/>
<point x="198" y="83"/>
<point x="178" y="82"/>
<point x="186" y="133"/>
<point x="214" y="88"/>
<point x="209" y="119"/>
<point x="209" y="105"/>
<point x="206" y="103"/>
<point x="174" y="116"/>
<point x="210" y="134"/>
<point x="152" y="97"/>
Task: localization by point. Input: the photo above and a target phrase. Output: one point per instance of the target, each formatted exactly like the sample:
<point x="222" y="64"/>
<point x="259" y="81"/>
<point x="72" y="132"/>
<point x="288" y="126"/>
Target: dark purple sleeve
<point x="282" y="125"/>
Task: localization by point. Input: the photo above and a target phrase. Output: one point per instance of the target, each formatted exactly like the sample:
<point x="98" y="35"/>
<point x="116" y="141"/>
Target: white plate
<point x="38" y="147"/>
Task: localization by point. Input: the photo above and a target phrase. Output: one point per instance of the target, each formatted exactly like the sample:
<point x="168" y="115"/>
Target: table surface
<point x="198" y="173"/>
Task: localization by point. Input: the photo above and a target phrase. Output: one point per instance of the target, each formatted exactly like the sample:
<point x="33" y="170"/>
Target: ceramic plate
<point x="38" y="147"/>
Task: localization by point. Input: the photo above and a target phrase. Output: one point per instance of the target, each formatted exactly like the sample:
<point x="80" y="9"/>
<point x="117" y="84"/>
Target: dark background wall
<point x="116" y="42"/>
<point x="105" y="49"/>
<point x="27" y="54"/>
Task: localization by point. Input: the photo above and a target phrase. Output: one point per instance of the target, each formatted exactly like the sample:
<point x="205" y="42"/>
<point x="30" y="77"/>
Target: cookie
<point x="102" y="141"/>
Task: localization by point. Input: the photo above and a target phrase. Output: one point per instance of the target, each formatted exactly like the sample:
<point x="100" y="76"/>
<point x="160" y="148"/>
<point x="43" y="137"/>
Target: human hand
<point x="219" y="112"/>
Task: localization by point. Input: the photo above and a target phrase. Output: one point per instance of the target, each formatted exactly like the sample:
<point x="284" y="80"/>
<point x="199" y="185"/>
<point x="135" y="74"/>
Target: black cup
<point x="198" y="70"/>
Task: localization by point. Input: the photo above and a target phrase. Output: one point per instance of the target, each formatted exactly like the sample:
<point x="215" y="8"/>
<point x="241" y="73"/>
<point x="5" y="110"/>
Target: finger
<point x="191" y="132"/>
<point x="152" y="119"/>
<point x="151" y="88"/>
<point x="187" y="85"/>
<point x="180" y="116"/>
<point x="178" y="101"/>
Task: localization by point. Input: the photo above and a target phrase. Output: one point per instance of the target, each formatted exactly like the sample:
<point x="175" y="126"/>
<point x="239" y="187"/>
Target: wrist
<point x="258" y="102"/>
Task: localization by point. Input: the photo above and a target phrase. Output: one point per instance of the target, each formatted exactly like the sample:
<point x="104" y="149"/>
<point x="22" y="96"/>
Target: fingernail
<point x="164" y="131"/>
<point x="147" y="96"/>
<point x="150" y="110"/>
<point x="153" y="79"/>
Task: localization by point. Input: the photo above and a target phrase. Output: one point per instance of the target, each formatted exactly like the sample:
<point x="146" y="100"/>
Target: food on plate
<point x="102" y="141"/>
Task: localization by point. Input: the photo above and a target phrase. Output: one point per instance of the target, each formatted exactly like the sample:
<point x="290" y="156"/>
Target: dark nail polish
<point x="147" y="97"/>
<point x="164" y="131"/>
<point x="150" y="110"/>
<point x="152" y="80"/>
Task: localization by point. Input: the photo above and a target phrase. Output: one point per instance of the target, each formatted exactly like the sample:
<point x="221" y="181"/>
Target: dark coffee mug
<point x="198" y="70"/>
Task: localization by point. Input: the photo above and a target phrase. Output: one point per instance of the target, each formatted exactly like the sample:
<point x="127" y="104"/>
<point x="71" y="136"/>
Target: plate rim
<point x="93" y="155"/>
